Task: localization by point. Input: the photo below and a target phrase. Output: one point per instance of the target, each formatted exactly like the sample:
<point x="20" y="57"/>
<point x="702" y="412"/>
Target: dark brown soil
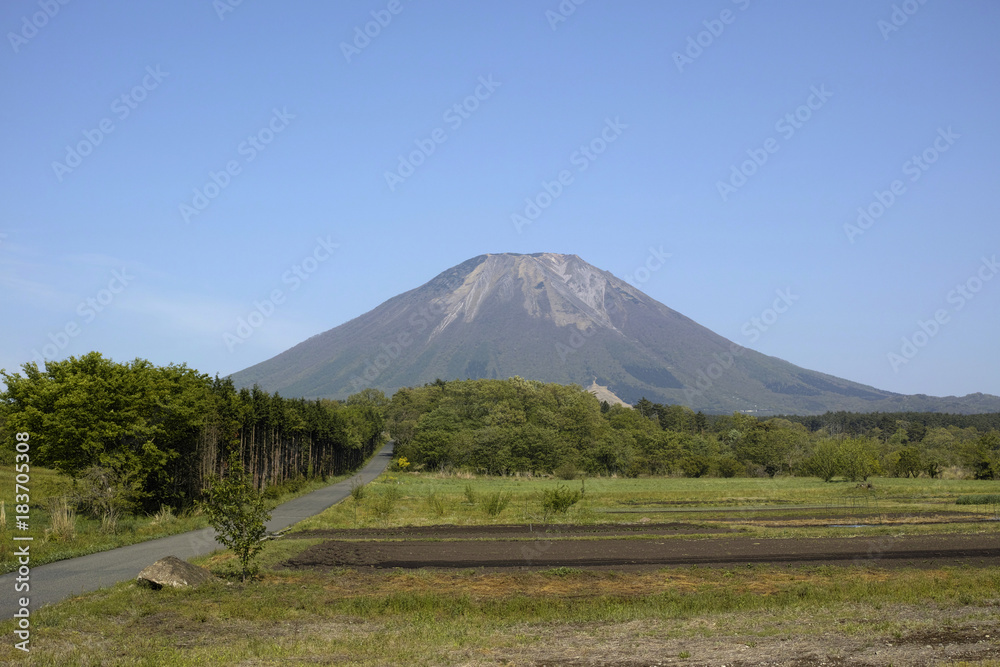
<point x="629" y="547"/>
<point x="511" y="532"/>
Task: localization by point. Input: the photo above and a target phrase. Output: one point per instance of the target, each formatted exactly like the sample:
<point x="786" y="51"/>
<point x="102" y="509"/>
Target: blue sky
<point x="171" y="167"/>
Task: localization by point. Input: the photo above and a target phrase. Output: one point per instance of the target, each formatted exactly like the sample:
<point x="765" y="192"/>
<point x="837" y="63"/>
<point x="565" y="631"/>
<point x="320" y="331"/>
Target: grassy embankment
<point x="424" y="617"/>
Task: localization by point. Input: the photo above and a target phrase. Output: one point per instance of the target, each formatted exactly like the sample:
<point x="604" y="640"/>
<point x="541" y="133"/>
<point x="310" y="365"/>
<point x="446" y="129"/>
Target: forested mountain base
<point x="147" y="436"/>
<point x="519" y="426"/>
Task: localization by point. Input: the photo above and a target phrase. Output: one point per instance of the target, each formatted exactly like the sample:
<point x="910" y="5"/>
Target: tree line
<point x="140" y="436"/>
<point x="883" y="425"/>
<point x="511" y="426"/>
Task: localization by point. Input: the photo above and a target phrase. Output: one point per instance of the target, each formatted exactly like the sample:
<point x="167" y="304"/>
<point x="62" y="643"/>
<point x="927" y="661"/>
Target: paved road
<point x="57" y="581"/>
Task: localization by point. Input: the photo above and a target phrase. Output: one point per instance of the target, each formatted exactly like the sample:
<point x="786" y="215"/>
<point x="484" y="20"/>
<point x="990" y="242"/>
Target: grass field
<point x="398" y="499"/>
<point x="562" y="616"/>
<point x="683" y="615"/>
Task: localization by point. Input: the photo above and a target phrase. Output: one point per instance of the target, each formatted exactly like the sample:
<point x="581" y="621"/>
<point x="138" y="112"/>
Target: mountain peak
<point x="562" y="288"/>
<point x="556" y="318"/>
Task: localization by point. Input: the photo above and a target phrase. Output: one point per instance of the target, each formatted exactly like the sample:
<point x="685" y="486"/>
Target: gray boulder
<point x="172" y="571"/>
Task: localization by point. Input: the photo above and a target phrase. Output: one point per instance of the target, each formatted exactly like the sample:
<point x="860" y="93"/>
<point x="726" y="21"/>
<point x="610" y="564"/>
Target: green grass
<point x="432" y="617"/>
<point x="457" y="499"/>
<point x="979" y="499"/>
<point x="46" y="486"/>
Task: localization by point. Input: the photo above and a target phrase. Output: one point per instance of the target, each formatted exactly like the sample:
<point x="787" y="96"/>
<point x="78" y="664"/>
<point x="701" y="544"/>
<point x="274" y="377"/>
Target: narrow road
<point x="57" y="581"/>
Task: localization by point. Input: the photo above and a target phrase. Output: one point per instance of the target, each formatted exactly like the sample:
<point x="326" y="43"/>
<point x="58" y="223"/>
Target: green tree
<point x="134" y="421"/>
<point x="237" y="512"/>
<point x="824" y="462"/>
<point x="907" y="462"/>
<point x="858" y="458"/>
<point x="983" y="456"/>
<point x="695" y="465"/>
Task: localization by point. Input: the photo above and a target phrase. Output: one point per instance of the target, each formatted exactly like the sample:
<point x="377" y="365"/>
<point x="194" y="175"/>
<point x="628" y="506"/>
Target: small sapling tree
<point x="237" y="512"/>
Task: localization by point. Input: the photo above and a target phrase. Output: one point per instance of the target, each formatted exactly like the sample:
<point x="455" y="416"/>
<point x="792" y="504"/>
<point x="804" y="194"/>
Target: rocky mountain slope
<point x="556" y="318"/>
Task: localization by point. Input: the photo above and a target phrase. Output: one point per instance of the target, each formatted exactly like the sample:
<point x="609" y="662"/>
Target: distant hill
<point x="556" y="318"/>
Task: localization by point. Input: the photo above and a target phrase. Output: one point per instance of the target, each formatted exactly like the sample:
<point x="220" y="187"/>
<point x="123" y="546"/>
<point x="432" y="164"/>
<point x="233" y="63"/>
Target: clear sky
<point x="171" y="167"/>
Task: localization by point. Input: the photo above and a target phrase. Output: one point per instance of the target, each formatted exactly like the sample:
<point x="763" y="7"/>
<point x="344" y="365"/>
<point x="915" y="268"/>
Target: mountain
<point x="556" y="318"/>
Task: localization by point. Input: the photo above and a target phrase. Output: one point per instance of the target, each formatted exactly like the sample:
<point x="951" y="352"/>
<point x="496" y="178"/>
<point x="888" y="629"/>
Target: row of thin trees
<point x="159" y="434"/>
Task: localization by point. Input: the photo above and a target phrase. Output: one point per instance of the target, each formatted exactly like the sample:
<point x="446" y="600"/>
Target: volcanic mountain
<point x="556" y="318"/>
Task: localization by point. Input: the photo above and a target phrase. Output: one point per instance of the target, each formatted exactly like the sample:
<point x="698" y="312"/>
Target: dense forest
<point x="154" y="436"/>
<point x="519" y="426"/>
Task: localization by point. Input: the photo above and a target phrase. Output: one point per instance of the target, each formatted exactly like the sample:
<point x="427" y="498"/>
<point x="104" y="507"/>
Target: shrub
<point x="559" y="500"/>
<point x="494" y="503"/>
<point x="729" y="466"/>
<point x="108" y="494"/>
<point x="358" y="491"/>
<point x="565" y="470"/>
<point x="695" y="465"/>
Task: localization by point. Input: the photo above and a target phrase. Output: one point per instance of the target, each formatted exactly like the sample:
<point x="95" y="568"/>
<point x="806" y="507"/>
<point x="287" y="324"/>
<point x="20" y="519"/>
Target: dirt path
<point x="615" y="547"/>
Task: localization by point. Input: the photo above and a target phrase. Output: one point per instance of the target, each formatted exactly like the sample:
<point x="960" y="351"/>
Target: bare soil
<point x="626" y="547"/>
<point x="924" y="634"/>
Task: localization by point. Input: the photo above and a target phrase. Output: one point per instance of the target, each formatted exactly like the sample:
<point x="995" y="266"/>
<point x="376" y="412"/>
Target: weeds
<point x="385" y="503"/>
<point x="436" y="504"/>
<point x="109" y="523"/>
<point x="470" y="494"/>
<point x="358" y="491"/>
<point x="164" y="516"/>
<point x="63" y="521"/>
<point x="496" y="502"/>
